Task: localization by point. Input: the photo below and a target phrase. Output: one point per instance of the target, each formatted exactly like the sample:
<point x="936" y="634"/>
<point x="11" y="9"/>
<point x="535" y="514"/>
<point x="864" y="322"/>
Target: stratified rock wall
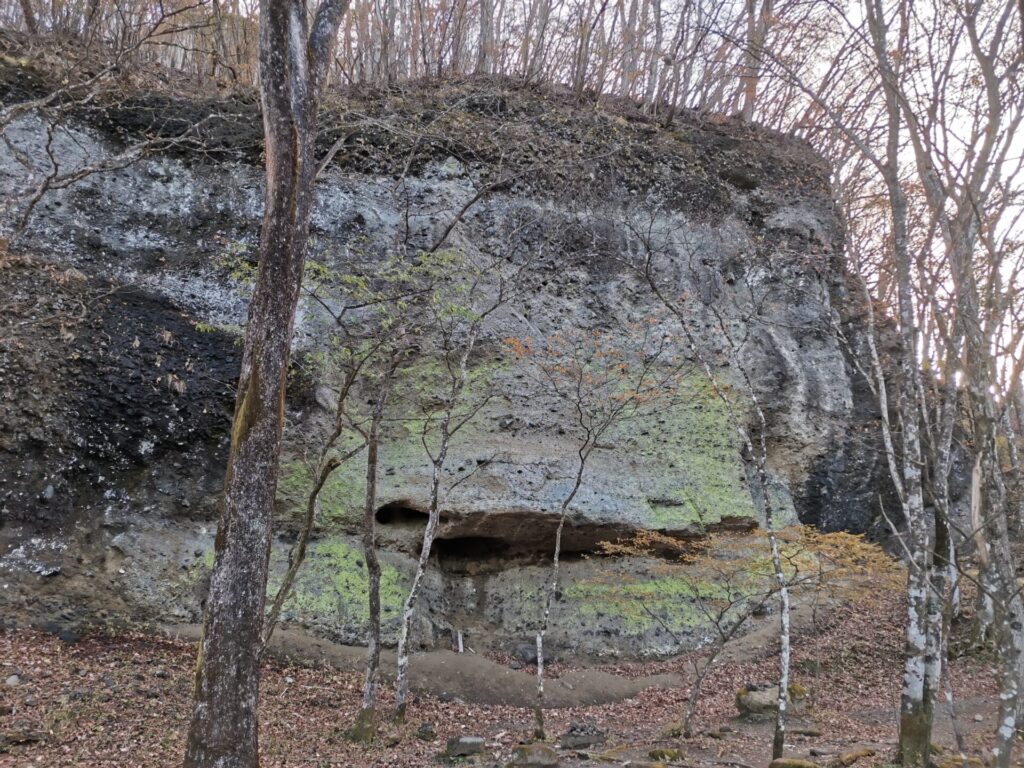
<point x="113" y="443"/>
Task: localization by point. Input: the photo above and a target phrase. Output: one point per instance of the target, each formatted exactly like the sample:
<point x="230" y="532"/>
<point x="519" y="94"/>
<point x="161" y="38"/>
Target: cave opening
<point x="494" y="553"/>
<point x="400" y="513"/>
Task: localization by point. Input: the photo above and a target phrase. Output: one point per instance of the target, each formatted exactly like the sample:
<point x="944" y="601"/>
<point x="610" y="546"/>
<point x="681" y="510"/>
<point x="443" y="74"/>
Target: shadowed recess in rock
<point x="494" y="541"/>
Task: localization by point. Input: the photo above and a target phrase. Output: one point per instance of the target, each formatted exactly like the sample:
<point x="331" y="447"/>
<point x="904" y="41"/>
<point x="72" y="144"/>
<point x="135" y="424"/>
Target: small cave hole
<point x="401" y="514"/>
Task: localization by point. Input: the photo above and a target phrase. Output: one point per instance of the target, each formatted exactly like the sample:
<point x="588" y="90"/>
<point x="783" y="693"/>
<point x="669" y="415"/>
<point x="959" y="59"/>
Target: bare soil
<point x="123" y="700"/>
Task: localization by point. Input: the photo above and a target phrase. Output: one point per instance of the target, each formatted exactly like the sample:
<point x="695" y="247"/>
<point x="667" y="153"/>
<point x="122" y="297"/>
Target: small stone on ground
<point x="464" y="746"/>
<point x="534" y="756"/>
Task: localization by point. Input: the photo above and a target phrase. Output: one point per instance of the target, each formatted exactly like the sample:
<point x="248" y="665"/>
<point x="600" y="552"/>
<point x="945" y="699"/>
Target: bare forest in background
<point x="696" y="55"/>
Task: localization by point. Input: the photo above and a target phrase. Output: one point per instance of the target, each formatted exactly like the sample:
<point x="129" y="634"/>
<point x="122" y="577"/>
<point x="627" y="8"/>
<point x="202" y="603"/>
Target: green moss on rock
<point x="693" y="474"/>
<point x="333" y="583"/>
<point x="643" y="603"/>
<point x="340" y="498"/>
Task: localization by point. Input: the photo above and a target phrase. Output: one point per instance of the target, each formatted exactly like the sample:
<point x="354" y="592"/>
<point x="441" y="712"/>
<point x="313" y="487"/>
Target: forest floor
<point x="123" y="699"/>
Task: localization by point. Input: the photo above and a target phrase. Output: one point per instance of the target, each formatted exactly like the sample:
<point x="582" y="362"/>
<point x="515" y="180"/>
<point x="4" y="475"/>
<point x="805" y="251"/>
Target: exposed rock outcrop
<point x="119" y="363"/>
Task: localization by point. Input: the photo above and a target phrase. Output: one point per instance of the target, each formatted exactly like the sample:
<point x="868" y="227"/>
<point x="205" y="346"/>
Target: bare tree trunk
<point x="409" y="607"/>
<point x="426" y="546"/>
<point x="1002" y="573"/>
<point x="779" y="740"/>
<point x="485" y="53"/>
<point x="1010" y="606"/>
<point x="1011" y="426"/>
<point x="937" y="616"/>
<point x="629" y="46"/>
<point x="388" y="41"/>
<point x="943" y="598"/>
<point x="536" y="49"/>
<point x="757" y="29"/>
<point x="366" y="721"/>
<point x="984" y="606"/>
<point x="583" y="56"/>
<point x="223" y="56"/>
<point x="915" y="708"/>
<point x="650" y="104"/>
<point x="30" y="17"/>
<point x="224" y="727"/>
<point x="402" y="677"/>
<point x="983" y="629"/>
<point x="953" y="566"/>
<point x="552" y="585"/>
<point x="1011" y="654"/>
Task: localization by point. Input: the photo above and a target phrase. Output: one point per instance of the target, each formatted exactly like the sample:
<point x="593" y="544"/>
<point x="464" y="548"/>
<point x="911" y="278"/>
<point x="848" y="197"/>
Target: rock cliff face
<point x="121" y="347"/>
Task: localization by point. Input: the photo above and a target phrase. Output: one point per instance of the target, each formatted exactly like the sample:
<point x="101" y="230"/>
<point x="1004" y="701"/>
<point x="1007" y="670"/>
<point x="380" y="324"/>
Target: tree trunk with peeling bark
<point x="224" y="726"/>
<point x="915" y="706"/>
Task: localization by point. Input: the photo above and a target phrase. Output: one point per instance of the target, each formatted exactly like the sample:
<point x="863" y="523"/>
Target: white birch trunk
<point x="409" y="606"/>
<point x="552" y="587"/>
